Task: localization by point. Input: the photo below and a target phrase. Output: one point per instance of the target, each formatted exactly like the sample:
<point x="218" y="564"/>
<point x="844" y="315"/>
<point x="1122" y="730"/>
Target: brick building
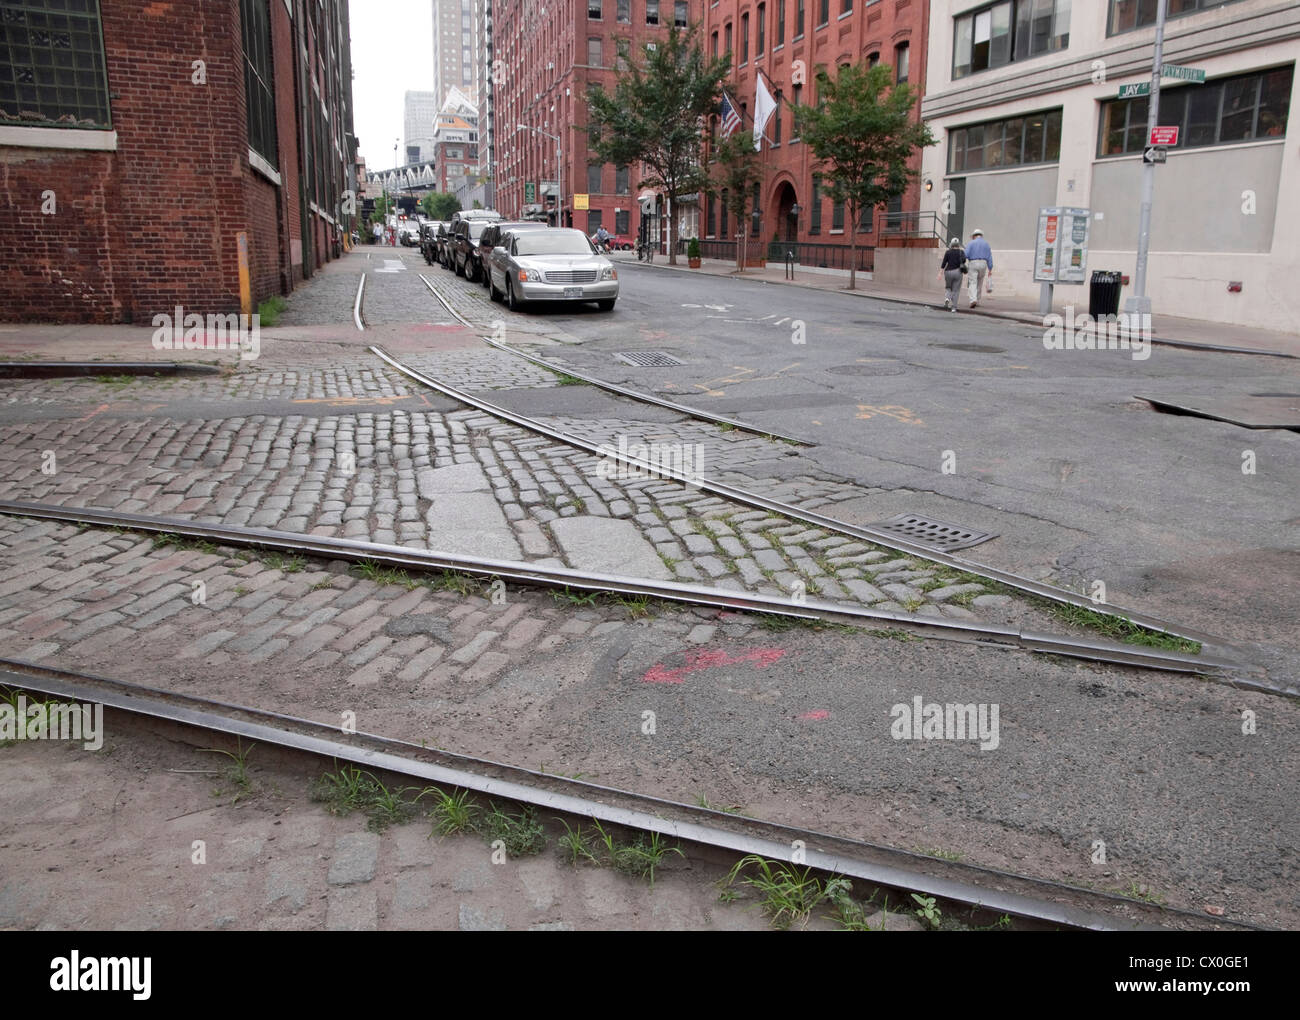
<point x="545" y="66"/>
<point x="768" y="37"/>
<point x="139" y="142"/>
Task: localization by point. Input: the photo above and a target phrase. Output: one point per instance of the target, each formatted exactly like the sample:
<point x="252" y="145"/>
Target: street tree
<point x="654" y="116"/>
<point x="861" y="135"/>
<point x="439" y="205"/>
<point x="734" y="173"/>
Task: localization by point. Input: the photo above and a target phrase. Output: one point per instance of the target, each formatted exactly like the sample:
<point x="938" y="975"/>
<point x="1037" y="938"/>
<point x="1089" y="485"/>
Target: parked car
<point x="491" y="237"/>
<point x="408" y="233"/>
<point x="550" y="265"/>
<point x="429" y="240"/>
<point x="622" y="242"/>
<point x="463" y="233"/>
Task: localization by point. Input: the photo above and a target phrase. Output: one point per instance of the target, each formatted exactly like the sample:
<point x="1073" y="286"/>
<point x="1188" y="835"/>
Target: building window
<point x="1240" y="109"/>
<point x="624" y="12"/>
<point x="798" y="19"/>
<point x="681" y="13"/>
<point x="652" y="12"/>
<point x="593" y="220"/>
<point x="776" y="121"/>
<point x="726" y="38"/>
<point x="1016" y="141"/>
<point x="722" y="208"/>
<point x="873" y="59"/>
<point x="744" y="39"/>
<point x="258" y="82"/>
<point x="796" y="97"/>
<point x="760" y="40"/>
<point x="622" y="48"/>
<point x="621" y="180"/>
<point x="1010" y="30"/>
<point x="593" y="51"/>
<point x="823" y="13"/>
<point x="713" y="45"/>
<point x="780" y="22"/>
<point x="593" y="178"/>
<point x="837" y="216"/>
<point x="710" y="229"/>
<point x="846" y="7"/>
<point x="901" y="62"/>
<point x="815" y="207"/>
<point x="1126" y="15"/>
<point x="53" y="66"/>
<point x="622" y="221"/>
<point x="593" y="10"/>
<point x="754" y="211"/>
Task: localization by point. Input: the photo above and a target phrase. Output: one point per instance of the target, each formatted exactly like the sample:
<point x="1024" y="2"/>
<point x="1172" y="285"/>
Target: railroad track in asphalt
<point x="1033" y="901"/>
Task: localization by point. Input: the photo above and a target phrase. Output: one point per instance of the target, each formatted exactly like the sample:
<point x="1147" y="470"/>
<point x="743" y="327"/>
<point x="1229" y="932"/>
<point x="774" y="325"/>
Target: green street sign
<point x="1182" y="73"/>
<point x="1142" y="88"/>
<point x="530" y="192"/>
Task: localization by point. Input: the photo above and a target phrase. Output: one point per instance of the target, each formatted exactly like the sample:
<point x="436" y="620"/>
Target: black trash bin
<point x="1103" y="293"/>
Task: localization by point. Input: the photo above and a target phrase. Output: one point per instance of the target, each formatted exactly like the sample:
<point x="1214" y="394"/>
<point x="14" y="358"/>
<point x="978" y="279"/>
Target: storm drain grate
<point x="649" y="359"/>
<point x="937" y="535"/>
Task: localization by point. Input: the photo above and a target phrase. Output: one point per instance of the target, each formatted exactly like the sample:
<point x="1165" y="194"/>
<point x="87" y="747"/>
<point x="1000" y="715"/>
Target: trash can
<point x="1103" y="293"/>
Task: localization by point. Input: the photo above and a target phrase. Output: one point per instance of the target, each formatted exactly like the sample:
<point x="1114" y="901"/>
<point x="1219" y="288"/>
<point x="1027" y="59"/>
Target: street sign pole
<point x="1139" y="303"/>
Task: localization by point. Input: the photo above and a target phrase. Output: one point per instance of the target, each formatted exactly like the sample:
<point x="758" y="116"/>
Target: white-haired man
<point x="979" y="264"/>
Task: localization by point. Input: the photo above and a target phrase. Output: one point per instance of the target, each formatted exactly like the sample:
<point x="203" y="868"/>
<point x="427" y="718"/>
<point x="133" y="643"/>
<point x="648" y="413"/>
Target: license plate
<point x="573" y="292"/>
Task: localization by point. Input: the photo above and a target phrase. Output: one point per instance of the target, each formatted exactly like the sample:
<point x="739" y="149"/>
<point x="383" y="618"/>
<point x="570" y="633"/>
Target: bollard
<point x="789" y="263"/>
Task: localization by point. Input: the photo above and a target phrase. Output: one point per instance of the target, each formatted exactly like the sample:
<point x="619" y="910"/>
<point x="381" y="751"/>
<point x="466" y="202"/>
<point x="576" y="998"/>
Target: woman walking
<point x="952" y="269"/>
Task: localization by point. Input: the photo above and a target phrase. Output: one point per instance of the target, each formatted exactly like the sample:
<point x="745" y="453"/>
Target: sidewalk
<point x="1167" y="329"/>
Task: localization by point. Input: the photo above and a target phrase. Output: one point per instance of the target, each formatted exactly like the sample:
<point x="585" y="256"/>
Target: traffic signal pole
<point x="1139" y="304"/>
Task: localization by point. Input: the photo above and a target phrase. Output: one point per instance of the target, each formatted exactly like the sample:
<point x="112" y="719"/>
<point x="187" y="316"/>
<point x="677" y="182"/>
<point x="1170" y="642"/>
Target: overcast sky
<point x="392" y="51"/>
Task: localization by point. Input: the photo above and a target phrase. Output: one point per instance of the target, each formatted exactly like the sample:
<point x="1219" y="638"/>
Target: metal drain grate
<point x="938" y="535"/>
<point x="649" y="359"/>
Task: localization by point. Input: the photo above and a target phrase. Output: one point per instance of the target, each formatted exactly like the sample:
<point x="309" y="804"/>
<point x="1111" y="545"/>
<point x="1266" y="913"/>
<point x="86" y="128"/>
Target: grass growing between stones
<point x="639" y="858"/>
<point x="235" y="774"/>
<point x="349" y="789"/>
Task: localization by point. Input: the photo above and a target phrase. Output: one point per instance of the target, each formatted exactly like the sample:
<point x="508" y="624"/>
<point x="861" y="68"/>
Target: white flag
<point x="764" y="105"/>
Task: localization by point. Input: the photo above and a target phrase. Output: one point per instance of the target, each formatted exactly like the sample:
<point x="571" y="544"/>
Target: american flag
<point x="730" y="117"/>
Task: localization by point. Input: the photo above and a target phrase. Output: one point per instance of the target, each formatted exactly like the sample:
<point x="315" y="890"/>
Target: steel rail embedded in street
<point x="328" y="547"/>
<point x="1032" y="898"/>
<point x="811" y="517"/>
<point x="604" y="384"/>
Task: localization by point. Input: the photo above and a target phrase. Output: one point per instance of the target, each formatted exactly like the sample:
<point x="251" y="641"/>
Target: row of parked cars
<point x="520" y="261"/>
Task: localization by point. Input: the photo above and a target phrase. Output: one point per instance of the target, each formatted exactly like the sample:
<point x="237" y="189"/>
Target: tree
<point x="735" y="172"/>
<point x="861" y="134"/>
<point x="439" y="205"/>
<point x="654" y="116"/>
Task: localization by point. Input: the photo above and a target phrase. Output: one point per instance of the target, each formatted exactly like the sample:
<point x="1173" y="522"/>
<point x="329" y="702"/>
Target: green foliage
<point x="693" y="248"/>
<point x="452" y="812"/>
<point x="351" y="789"/>
<point x="736" y="169"/>
<point x="928" y="911"/>
<point x="439" y="205"/>
<point x="521" y="833"/>
<point x="787" y="894"/>
<point x="269" y="310"/>
<point x="653" y="114"/>
<point x="861" y="133"/>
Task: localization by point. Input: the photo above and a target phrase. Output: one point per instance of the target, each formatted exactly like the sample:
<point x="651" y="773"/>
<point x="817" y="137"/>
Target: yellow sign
<point x="580" y="202"/>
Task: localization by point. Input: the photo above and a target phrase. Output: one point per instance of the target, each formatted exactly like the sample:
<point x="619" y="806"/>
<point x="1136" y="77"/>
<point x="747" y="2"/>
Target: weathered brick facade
<point x="154" y="222"/>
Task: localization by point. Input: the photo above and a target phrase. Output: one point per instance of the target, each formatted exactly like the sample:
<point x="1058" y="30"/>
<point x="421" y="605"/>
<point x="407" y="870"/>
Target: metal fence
<point x="899" y="226"/>
<point x="823" y="256"/>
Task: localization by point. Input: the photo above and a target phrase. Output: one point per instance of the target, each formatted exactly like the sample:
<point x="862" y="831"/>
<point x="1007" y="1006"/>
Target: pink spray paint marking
<point x="816" y="715"/>
<point x="709" y="659"/>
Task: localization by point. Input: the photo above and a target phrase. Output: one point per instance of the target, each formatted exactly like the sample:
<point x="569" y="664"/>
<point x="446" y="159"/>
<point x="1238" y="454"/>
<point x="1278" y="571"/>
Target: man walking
<point x="979" y="264"/>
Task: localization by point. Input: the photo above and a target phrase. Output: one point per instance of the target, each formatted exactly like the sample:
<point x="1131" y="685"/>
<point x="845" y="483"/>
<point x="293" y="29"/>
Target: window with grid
<point x="726" y="38"/>
<point x="593" y="178"/>
<point x="1126" y="15"/>
<point x="837" y="216"/>
<point x="798" y="18"/>
<point x="995" y="35"/>
<point x="722" y="208"/>
<point x="1016" y="141"/>
<point x="652" y="12"/>
<point x="760" y="40"/>
<point x="681" y="13"/>
<point x="624" y="12"/>
<point x="1244" y="108"/>
<point x="744" y="39"/>
<point x="823" y="13"/>
<point x="593" y="220"/>
<point x="622" y="221"/>
<point x="902" y="53"/>
<point x="52" y="71"/>
<point x="815" y="207"/>
<point x="713" y="45"/>
<point x="621" y="181"/>
<point x="258" y="82"/>
<point x="780" y="22"/>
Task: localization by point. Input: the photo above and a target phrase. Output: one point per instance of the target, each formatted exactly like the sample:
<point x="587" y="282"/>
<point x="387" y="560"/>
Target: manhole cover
<point x="649" y="359"/>
<point x="977" y="348"/>
<point x="937" y="535"/>
<point x="880" y="368"/>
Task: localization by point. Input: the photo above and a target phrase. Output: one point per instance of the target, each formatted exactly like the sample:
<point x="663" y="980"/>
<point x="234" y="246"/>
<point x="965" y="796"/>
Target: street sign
<point x="1182" y="73"/>
<point x="1154" y="154"/>
<point x="530" y="192"/>
<point x="1163" y="136"/>
<point x="1141" y="88"/>
<point x="580" y="202"/>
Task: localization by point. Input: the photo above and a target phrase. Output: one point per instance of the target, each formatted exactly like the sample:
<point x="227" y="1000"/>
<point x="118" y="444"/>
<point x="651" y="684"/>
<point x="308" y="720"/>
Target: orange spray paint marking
<point x="709" y="659"/>
<point x="816" y="715"/>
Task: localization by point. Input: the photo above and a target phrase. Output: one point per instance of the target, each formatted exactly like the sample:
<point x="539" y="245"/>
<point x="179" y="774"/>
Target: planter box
<point x="693" y="263"/>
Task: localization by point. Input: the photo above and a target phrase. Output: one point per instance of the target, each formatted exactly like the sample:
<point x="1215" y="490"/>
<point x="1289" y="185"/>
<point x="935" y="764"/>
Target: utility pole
<point x="1139" y="304"/>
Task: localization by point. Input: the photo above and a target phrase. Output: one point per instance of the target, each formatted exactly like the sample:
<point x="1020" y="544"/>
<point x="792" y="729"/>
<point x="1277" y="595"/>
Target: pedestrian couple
<point x="975" y="262"/>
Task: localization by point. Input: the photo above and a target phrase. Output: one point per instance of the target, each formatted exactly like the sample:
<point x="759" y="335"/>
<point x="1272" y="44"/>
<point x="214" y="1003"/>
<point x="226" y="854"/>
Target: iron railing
<point x="900" y="225"/>
<point x="823" y="256"/>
